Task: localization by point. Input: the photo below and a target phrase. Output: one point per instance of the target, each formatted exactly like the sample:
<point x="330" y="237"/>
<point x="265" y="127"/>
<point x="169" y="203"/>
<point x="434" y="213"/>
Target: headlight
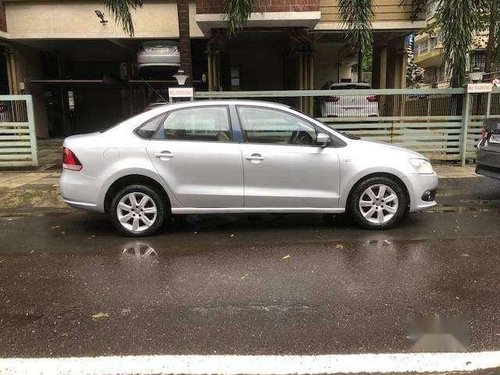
<point x="422" y="166"/>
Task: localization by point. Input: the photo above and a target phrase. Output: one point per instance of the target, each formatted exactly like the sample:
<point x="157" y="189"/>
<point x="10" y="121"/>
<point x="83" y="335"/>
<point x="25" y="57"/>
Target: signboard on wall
<point x="180" y="92"/>
<point x="478" y="88"/>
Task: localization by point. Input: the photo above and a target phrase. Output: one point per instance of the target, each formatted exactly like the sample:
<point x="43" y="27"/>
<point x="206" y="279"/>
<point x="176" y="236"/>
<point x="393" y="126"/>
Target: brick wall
<point x="215" y="6"/>
<point x="3" y="23"/>
<point x="184" y="38"/>
<point x="385" y="10"/>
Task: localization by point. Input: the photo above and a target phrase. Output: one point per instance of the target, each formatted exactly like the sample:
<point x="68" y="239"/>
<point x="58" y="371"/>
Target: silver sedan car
<point x="239" y="156"/>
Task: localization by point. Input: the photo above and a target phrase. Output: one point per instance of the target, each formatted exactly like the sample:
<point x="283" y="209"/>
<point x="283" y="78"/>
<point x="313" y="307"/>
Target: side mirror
<point x="323" y="140"/>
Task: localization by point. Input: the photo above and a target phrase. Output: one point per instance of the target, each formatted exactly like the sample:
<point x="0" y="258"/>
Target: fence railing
<point x="443" y="124"/>
<point x="17" y="131"/>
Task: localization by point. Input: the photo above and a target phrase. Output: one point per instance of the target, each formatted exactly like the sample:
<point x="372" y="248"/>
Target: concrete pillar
<point x="345" y="72"/>
<point x="376" y="68"/>
<point x="27" y="65"/>
<point x="305" y="73"/>
<point x="213" y="62"/>
<point x="383" y="68"/>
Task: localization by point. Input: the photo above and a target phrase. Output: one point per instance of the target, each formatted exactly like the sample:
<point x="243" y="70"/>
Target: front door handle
<point x="164" y="155"/>
<point x="255" y="157"/>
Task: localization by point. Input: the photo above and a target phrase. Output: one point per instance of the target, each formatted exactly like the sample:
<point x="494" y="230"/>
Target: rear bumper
<point x="329" y="109"/>
<point x="82" y="205"/>
<point x="158" y="60"/>
<point x="80" y="191"/>
<point x="488" y="171"/>
<point x="488" y="158"/>
<point x="488" y="162"/>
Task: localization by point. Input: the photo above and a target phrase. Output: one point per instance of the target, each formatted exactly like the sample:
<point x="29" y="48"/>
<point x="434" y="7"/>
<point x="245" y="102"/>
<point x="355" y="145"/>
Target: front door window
<point x="269" y="126"/>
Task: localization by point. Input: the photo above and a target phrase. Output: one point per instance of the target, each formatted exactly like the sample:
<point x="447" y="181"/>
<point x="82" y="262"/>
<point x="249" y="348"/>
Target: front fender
<point x="351" y="179"/>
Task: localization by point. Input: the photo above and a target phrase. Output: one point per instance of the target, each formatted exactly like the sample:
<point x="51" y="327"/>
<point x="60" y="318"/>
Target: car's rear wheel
<point x="137" y="210"/>
<point x="378" y="202"/>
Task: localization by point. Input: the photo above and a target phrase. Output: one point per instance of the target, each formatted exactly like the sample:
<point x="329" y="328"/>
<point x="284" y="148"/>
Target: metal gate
<point x="17" y="131"/>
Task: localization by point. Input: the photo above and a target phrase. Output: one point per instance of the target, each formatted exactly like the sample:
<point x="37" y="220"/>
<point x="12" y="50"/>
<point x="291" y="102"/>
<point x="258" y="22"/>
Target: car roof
<point x="133" y="122"/>
<point x="207" y="102"/>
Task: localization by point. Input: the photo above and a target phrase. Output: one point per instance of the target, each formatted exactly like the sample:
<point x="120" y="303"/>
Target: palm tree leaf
<point x="418" y="7"/>
<point x="357" y="16"/>
<point x="237" y="13"/>
<point x="120" y="9"/>
<point x="459" y="21"/>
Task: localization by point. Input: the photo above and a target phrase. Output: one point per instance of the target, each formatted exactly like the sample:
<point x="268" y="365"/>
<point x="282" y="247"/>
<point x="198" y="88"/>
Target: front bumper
<point x="421" y="188"/>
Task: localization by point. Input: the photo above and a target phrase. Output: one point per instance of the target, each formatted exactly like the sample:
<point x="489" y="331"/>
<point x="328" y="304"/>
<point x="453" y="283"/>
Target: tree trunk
<point x="490" y="48"/>
<point x="360" y="66"/>
<point x="185" y="39"/>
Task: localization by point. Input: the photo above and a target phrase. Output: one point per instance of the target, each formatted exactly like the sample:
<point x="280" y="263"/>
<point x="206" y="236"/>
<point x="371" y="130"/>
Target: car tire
<point x="137" y="211"/>
<point x="378" y="202"/>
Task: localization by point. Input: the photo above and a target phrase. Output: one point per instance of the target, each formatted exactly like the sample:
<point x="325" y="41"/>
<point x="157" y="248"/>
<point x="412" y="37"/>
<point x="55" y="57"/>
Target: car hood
<point x="387" y="147"/>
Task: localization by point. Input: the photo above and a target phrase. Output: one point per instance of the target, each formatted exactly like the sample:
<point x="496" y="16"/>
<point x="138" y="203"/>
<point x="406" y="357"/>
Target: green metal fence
<point x="443" y="124"/>
<point x="480" y="106"/>
<point x="17" y="131"/>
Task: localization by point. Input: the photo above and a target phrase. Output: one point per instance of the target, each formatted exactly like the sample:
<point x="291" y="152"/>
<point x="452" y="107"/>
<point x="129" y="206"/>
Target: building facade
<point x="83" y="72"/>
<point x="429" y="55"/>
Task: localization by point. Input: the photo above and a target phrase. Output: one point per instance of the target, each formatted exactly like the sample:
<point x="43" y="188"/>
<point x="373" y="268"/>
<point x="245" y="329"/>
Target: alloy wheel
<point x="378" y="204"/>
<point x="136" y="212"/>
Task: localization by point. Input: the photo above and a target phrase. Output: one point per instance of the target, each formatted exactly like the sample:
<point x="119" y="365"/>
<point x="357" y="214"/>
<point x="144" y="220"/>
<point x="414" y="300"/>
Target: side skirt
<point x="242" y="210"/>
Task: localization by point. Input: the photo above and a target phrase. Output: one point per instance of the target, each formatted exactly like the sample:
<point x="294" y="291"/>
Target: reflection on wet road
<point x="257" y="284"/>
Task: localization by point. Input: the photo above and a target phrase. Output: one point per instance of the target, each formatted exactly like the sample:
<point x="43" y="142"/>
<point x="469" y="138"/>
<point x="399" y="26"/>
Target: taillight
<point x="332" y="99"/>
<point x="372" y="98"/>
<point x="70" y="161"/>
<point x="485" y="133"/>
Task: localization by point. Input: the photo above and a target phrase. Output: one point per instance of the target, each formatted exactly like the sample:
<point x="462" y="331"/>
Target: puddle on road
<point x="20" y="320"/>
<point x="9" y="215"/>
<point x="139" y="252"/>
<point x="463" y="209"/>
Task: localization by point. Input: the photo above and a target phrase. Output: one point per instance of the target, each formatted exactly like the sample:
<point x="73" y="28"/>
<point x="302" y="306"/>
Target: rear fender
<point x="146" y="171"/>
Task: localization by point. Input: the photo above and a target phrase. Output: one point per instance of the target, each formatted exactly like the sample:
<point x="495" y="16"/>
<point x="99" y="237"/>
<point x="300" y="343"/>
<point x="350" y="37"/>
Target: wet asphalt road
<point x="249" y="284"/>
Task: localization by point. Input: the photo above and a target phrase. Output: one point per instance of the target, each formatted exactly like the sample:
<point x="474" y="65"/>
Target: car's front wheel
<point x="378" y="202"/>
<point x="137" y="210"/>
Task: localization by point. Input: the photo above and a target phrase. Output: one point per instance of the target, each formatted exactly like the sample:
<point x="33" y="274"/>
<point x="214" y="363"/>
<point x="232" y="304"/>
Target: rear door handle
<point x="164" y="155"/>
<point x="255" y="157"/>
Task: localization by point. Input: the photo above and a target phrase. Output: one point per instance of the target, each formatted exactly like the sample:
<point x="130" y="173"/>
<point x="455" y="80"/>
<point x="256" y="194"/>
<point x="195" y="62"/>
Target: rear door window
<point x="209" y="124"/>
<point x="149" y="128"/>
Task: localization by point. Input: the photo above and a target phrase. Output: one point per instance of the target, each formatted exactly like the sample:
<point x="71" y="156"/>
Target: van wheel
<point x="137" y="211"/>
<point x="378" y="203"/>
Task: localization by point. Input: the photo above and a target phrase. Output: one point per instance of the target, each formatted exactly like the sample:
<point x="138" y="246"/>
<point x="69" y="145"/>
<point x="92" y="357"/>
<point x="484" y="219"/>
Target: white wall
<point x="329" y="60"/>
<point x="76" y="20"/>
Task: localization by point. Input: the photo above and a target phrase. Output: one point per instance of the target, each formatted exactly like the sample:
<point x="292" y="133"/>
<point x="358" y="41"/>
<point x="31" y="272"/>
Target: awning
<point x="206" y="22"/>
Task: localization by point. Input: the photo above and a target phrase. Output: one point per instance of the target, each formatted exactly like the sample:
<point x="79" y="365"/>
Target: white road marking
<point x="265" y="364"/>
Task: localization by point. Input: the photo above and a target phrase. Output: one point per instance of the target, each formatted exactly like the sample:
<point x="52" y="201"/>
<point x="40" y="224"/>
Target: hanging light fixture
<point x="180" y="77"/>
